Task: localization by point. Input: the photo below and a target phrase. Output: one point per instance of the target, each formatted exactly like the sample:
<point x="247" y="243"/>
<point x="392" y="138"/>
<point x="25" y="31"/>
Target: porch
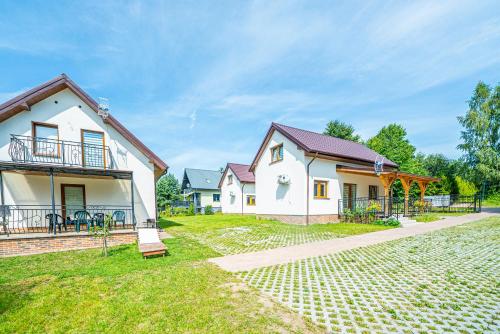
<point x="61" y="200"/>
<point x="389" y="205"/>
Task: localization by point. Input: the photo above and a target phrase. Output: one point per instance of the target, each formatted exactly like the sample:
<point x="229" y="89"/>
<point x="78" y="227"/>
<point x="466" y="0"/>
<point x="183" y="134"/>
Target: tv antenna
<point x="378" y="166"/>
<point x="103" y="107"/>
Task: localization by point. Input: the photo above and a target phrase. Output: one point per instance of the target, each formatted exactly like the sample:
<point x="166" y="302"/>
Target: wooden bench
<point x="150" y="243"/>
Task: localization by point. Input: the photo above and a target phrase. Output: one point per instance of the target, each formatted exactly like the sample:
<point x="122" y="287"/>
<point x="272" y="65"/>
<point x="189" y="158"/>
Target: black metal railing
<point x="20" y="219"/>
<point x="27" y="149"/>
<point x="397" y="206"/>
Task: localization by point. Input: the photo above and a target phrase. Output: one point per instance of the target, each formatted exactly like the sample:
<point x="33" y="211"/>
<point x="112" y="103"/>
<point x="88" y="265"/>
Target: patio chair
<point x="58" y="220"/>
<point x="83" y="217"/>
<point x="99" y="219"/>
<point x="119" y="217"/>
<point x="4" y="218"/>
<point x="150" y="243"/>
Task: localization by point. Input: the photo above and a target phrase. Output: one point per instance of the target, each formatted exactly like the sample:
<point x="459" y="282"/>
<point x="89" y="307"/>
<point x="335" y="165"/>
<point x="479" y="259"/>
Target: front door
<point x="349" y="196"/>
<point x="73" y="198"/>
<point x="93" y="149"/>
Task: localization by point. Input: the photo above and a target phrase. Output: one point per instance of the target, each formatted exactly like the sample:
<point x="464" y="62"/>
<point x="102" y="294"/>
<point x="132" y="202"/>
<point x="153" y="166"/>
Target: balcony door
<point x="93" y="151"/>
<point x="72" y="198"/>
<point x="349" y="196"/>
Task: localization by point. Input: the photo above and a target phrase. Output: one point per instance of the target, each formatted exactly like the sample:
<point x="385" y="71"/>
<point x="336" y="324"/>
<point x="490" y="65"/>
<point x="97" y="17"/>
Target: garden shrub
<point x="387" y="222"/>
<point x="209" y="210"/>
<point x="190" y="210"/>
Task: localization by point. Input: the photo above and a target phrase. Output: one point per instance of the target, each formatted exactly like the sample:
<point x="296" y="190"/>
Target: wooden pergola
<point x="387" y="179"/>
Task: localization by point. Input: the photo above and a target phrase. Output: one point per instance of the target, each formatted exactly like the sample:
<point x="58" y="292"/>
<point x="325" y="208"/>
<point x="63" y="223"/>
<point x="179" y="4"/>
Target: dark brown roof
<point x="312" y="142"/>
<point x="24" y="102"/>
<point x="241" y="171"/>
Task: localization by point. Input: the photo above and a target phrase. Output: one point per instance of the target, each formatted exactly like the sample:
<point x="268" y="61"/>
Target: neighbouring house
<point x="237" y="187"/>
<point x="201" y="187"/>
<point x="304" y="177"/>
<point x="65" y="162"/>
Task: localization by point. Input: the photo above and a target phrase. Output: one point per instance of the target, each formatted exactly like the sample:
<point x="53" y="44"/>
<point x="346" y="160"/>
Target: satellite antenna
<point x="103" y="107"/>
<point x="378" y="166"/>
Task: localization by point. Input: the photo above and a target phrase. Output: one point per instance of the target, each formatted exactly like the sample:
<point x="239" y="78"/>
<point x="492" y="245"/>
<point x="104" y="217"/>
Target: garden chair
<point x="150" y="243"/>
<point x="99" y="219"/>
<point x="119" y="217"/>
<point x="58" y="220"/>
<point x="83" y="217"/>
<point x="4" y="215"/>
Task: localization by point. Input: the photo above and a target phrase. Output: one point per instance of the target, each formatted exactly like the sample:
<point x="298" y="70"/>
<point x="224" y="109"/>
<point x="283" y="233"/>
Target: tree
<point x="392" y="143"/>
<point x="341" y="130"/>
<point x="481" y="136"/>
<point x="168" y="189"/>
<point x="103" y="232"/>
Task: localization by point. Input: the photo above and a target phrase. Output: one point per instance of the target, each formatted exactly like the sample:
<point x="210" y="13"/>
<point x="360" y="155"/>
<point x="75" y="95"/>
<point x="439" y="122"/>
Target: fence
<point x="19" y="219"/>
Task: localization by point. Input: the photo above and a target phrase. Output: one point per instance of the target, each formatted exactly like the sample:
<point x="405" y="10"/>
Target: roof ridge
<point x="321" y="134"/>
<point x="208" y="170"/>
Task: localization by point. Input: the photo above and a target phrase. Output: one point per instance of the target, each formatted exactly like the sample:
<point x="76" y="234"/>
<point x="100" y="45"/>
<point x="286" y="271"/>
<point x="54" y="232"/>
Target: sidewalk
<point x="249" y="261"/>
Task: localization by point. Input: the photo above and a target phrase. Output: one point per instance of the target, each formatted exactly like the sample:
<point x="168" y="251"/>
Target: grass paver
<point x="445" y="281"/>
<point x="235" y="234"/>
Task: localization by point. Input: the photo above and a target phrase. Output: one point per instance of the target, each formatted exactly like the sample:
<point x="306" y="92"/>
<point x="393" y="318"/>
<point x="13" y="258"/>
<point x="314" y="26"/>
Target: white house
<point x="304" y="177"/>
<point x="63" y="155"/>
<point x="201" y="187"/>
<point x="238" y="189"/>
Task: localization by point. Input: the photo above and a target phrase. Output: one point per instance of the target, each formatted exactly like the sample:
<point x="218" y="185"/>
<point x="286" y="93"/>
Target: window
<point x="250" y="200"/>
<point x="216" y="197"/>
<point x="93" y="149"/>
<point x="320" y="189"/>
<point x="277" y="153"/>
<point x="229" y="179"/>
<point x="372" y="192"/>
<point x="45" y="139"/>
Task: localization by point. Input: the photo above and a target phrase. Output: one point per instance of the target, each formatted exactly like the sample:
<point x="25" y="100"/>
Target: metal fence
<point x="396" y="206"/>
<point x="19" y="219"/>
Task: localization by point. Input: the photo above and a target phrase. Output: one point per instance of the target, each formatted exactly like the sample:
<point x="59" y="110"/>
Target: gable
<point x="25" y="101"/>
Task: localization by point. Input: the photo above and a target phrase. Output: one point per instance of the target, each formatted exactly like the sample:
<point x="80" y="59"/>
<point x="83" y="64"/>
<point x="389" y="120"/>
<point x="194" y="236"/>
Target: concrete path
<point x="248" y="261"/>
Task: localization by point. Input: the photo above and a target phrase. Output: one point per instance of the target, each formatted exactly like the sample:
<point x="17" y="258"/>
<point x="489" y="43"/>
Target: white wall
<point x="207" y="197"/>
<point x="70" y="119"/>
<point x="275" y="198"/>
<point x="232" y="204"/>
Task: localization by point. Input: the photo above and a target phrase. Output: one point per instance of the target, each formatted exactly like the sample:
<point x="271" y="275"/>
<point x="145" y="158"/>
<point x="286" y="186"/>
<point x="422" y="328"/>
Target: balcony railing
<point x="21" y="219"/>
<point x="38" y="150"/>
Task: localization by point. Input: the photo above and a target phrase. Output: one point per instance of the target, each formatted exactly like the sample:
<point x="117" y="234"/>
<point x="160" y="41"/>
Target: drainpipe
<point x="52" y="198"/>
<point x="2" y="203"/>
<point x="242" y="188"/>
<point x="307" y="182"/>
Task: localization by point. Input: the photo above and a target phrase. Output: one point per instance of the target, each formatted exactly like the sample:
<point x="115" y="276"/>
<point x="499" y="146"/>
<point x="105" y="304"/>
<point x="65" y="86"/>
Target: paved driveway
<point x="253" y="260"/>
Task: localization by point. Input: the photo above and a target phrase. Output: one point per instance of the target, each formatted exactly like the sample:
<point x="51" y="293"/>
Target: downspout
<point x="307" y="186"/>
<point x="242" y="188"/>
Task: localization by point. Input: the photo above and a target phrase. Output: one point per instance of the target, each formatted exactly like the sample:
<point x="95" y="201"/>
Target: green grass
<point x="82" y="292"/>
<point x="230" y="234"/>
<point x="427" y="218"/>
<point x="492" y="201"/>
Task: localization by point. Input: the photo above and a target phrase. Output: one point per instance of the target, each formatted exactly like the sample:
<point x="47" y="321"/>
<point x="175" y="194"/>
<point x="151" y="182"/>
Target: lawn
<point x="445" y="281"/>
<point x="232" y="234"/>
<point x="82" y="292"/>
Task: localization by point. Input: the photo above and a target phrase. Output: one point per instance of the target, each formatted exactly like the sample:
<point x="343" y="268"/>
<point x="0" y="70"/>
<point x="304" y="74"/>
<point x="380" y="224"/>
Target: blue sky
<point x="200" y="82"/>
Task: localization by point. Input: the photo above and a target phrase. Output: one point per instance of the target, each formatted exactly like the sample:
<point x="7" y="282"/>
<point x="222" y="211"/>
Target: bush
<point x="387" y="222"/>
<point x="465" y="188"/>
<point x="209" y="210"/>
<point x="190" y="210"/>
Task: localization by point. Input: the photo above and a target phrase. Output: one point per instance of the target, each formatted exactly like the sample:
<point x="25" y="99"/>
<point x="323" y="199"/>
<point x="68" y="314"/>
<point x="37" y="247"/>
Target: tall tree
<point x="168" y="189"/>
<point x="481" y="137"/>
<point x="392" y="143"/>
<point x="342" y="130"/>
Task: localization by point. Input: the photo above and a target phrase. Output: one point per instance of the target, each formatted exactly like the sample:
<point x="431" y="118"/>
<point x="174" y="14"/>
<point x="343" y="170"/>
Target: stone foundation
<point x="301" y="219"/>
<point x="30" y="244"/>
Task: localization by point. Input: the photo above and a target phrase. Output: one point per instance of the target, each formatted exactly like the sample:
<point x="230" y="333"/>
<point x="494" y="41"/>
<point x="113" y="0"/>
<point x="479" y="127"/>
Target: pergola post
<point x="406" y="183"/>
<point x="53" y="201"/>
<point x="423" y="187"/>
<point x="387" y="181"/>
<point x="132" y="200"/>
<point x="2" y="203"/>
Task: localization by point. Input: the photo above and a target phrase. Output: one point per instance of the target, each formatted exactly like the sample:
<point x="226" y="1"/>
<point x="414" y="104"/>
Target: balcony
<point x="36" y="150"/>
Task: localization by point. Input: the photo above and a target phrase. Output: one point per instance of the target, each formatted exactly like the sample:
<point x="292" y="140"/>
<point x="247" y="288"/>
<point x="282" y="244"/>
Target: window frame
<point x="82" y="132"/>
<point x="376" y="193"/>
<point x="249" y="202"/>
<point x="316" y="194"/>
<point x="34" y="137"/>
<point x="230" y="179"/>
<point x="213" y="198"/>
<point x="280" y="149"/>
